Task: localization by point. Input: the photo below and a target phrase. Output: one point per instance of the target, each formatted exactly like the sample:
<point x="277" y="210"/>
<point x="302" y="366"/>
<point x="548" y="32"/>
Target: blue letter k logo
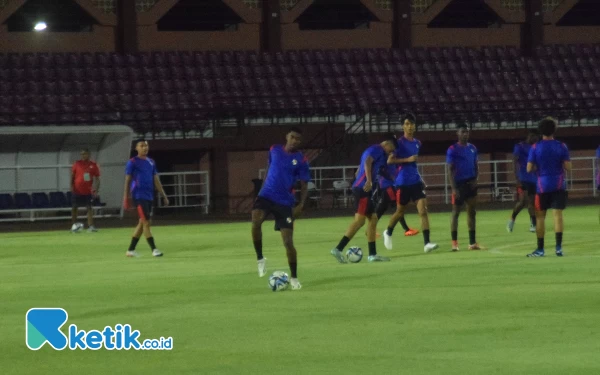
<point x="43" y="325"/>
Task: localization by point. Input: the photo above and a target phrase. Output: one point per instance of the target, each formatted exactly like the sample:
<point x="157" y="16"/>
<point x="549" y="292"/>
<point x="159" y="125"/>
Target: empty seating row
<point x="67" y="88"/>
<point x="39" y="200"/>
<point x="303" y="57"/>
<point x="137" y="73"/>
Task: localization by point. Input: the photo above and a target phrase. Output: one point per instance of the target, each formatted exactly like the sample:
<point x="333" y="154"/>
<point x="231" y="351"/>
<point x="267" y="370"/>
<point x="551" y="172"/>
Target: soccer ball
<point x="77" y="227"/>
<point x="279" y="281"/>
<point x="354" y="254"/>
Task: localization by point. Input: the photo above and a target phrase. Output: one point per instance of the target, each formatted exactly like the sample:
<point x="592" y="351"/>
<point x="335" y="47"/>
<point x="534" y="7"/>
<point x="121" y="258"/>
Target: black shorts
<point x="283" y="214"/>
<point x="407" y="193"/>
<point x="466" y="191"/>
<point x="556" y="200"/>
<point x="386" y="198"/>
<point x="81" y="200"/>
<point x="144" y="208"/>
<point x="363" y="202"/>
<point x="527" y="187"/>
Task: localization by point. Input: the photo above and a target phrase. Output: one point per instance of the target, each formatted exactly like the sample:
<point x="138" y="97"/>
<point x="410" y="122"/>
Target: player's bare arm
<point x="392" y="159"/>
<point x="160" y="189"/>
<point x="126" y="193"/>
<point x="451" y="180"/>
<point x="368" y="171"/>
<point x="516" y="169"/>
<point x="531" y="167"/>
<point x="303" y="196"/>
<point x="476" y="179"/>
<point x="72" y="180"/>
<point x="96" y="189"/>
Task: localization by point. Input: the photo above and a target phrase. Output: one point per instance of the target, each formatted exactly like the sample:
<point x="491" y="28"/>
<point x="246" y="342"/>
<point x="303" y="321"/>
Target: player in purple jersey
<point x="409" y="185"/>
<point x="372" y="160"/>
<point x="525" y="181"/>
<point x="462" y="160"/>
<point x="287" y="165"/>
<point x="385" y="197"/>
<point x="550" y="160"/>
<point x="141" y="179"/>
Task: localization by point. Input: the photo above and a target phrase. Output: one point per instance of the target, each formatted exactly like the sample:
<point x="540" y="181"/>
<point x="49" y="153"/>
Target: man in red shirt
<point x="85" y="185"/>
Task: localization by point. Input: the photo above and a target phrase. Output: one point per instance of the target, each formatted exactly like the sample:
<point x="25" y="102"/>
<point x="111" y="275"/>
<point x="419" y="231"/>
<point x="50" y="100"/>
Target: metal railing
<point x="496" y="181"/>
<point x="205" y="113"/>
<point x="186" y="189"/>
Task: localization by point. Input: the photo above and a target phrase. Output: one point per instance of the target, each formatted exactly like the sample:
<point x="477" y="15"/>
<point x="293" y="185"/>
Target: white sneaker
<point x="132" y="254"/>
<point x="262" y="267"/>
<point x="338" y="255"/>
<point x="156" y="253"/>
<point x="295" y="284"/>
<point x="387" y="240"/>
<point x="509" y="226"/>
<point x="430" y="247"/>
<point x="92" y="229"/>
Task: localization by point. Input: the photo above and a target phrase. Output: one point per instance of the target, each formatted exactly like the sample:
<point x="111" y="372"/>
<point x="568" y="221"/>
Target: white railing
<point x="496" y="180"/>
<point x="186" y="189"/>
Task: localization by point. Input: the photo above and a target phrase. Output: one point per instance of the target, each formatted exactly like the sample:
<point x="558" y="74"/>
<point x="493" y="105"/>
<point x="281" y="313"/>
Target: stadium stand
<point x="166" y="91"/>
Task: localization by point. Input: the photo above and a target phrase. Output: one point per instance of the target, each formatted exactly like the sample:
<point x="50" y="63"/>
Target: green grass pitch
<point x="486" y="312"/>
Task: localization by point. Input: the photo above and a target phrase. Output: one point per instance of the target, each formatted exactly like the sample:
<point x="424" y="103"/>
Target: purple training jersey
<point x="284" y="170"/>
<point x="521" y="152"/>
<point x="142" y="171"/>
<point x="549" y="157"/>
<point x="408" y="173"/>
<point x="387" y="176"/>
<point x="463" y="160"/>
<point x="379" y="160"/>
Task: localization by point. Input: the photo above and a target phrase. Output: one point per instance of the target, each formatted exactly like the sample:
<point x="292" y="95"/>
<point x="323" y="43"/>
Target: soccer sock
<point x="151" y="242"/>
<point x="390" y="230"/>
<point x="258" y="249"/>
<point x="472" y="237"/>
<point x="514" y="215"/>
<point x="403" y="223"/>
<point x="372" y="250"/>
<point x="454" y="235"/>
<point x="294" y="270"/>
<point x="426" y="236"/>
<point x="533" y="220"/>
<point x="541" y="243"/>
<point x="558" y="240"/>
<point x="343" y="243"/>
<point x="133" y="244"/>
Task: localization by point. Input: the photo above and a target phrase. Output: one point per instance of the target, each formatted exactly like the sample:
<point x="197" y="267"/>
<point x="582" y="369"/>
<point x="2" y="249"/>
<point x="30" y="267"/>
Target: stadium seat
<point x="22" y="201"/>
<point x="40" y="200"/>
<point x="7" y="202"/>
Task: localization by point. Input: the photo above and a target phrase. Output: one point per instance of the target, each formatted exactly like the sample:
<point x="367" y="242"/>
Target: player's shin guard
<point x="472" y="239"/>
<point x="372" y="248"/>
<point x="133" y="244"/>
<point x="151" y="243"/>
<point x="258" y="249"/>
<point x="403" y="223"/>
<point x="540" y="243"/>
<point x="344" y="241"/>
<point x="426" y="236"/>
